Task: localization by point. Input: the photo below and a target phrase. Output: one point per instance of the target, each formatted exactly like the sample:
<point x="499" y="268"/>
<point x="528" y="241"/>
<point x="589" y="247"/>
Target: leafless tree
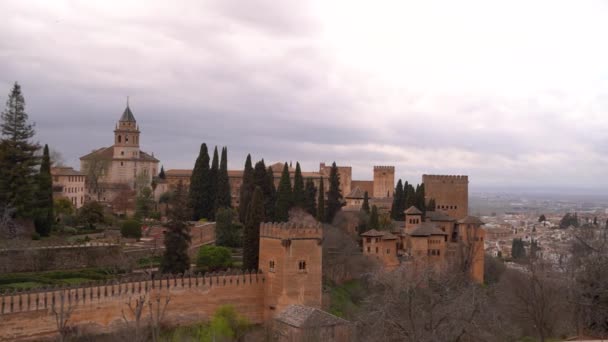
<point x="62" y="312"/>
<point x="157" y="309"/>
<point x="95" y="169"/>
<point x="136" y="309"/>
<point x="8" y="226"/>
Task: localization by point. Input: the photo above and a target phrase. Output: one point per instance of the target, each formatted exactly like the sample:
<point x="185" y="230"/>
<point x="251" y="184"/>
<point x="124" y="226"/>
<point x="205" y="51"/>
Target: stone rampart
<point x="99" y="308"/>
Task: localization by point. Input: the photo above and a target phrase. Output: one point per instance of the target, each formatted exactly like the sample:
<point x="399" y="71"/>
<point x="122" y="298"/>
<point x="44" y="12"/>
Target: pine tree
<point x="212" y="196"/>
<point x="374" y="219"/>
<point x="365" y="205"/>
<point x="161" y="174"/>
<point x="270" y="195"/>
<point x="284" y="197"/>
<point x="177" y="238"/>
<point x="19" y="181"/>
<point x="334" y="194"/>
<point x="321" y="202"/>
<point x="398" y="199"/>
<point x="251" y="234"/>
<point x="299" y="198"/>
<point x="199" y="185"/>
<point x="310" y="197"/>
<point x="247" y="188"/>
<point x="223" y="199"/>
<point x="44" y="218"/>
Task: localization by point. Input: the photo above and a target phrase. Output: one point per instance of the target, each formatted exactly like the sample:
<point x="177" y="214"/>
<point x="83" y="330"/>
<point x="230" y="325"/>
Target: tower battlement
<point x="291" y="230"/>
<point x="452" y="178"/>
<point x="384" y="167"/>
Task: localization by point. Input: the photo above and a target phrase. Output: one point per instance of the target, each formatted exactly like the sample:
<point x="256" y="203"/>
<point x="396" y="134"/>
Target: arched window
<point x="119" y="138"/>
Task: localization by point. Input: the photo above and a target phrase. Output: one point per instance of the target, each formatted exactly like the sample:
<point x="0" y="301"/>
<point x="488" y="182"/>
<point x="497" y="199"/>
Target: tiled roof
<point x="107" y="153"/>
<point x="307" y="317"/>
<point x="439" y="216"/>
<point x="178" y="173"/>
<point x="470" y="220"/>
<point x="389" y="236"/>
<point x="413" y="211"/>
<point x="427" y="229"/>
<point x="364" y="186"/>
<point x="65" y="171"/>
<point x="127" y="115"/>
<point x="356" y="193"/>
<point x="373" y="233"/>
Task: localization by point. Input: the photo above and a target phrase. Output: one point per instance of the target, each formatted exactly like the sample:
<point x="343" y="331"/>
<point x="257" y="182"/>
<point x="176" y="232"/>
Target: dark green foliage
<point x="18" y="180"/>
<point x="569" y="220"/>
<point x="518" y="251"/>
<point x="284" y="197"/>
<point x="131" y="229"/>
<point x="542" y="218"/>
<point x="321" y="202"/>
<point x="493" y="269"/>
<point x="398" y="206"/>
<point x="534" y="249"/>
<point x="410" y="195"/>
<point x="213" y="258"/>
<point x="431" y="206"/>
<point x="310" y="197"/>
<point x="374" y="219"/>
<point x="251" y="234"/>
<point x="247" y="188"/>
<point x="227" y="233"/>
<point x="144" y="203"/>
<point x="213" y="184"/>
<point x="363" y="224"/>
<point x="177" y="238"/>
<point x="44" y="196"/>
<point x="334" y="194"/>
<point x="200" y="186"/>
<point x="595" y="221"/>
<point x="299" y="198"/>
<point x="161" y="174"/>
<point x="420" y="202"/>
<point x="365" y="205"/>
<point x="223" y="199"/>
<point x="90" y="214"/>
<point x="270" y="195"/>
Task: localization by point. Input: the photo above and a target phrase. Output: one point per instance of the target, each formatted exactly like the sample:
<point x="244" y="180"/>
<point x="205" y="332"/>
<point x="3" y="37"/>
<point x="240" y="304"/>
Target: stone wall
<point x="384" y="181"/>
<point x="451" y="194"/>
<point x="99" y="308"/>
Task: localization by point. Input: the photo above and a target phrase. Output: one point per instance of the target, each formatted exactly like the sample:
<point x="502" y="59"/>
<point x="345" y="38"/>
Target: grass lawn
<point x="31" y="280"/>
<point x="345" y="298"/>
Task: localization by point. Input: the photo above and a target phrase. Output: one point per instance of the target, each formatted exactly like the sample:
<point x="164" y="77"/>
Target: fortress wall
<point x="451" y="194"/>
<point x="99" y="308"/>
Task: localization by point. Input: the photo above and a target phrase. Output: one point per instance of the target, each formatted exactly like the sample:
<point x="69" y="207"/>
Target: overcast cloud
<point x="512" y="93"/>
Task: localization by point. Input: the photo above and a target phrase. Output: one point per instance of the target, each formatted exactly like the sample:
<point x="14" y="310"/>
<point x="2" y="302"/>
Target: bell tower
<point x="126" y="136"/>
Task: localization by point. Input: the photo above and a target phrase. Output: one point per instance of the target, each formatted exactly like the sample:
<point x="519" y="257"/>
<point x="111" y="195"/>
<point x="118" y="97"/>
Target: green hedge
<point x="213" y="258"/>
<point x="131" y="229"/>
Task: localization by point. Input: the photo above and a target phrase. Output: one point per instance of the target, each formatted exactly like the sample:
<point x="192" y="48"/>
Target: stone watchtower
<point x="384" y="181"/>
<point x="126" y="136"/>
<point x="291" y="260"/>
<point x="451" y="194"/>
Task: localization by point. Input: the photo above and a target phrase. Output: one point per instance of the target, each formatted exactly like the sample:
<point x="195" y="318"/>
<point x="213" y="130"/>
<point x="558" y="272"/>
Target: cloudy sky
<point x="512" y="93"/>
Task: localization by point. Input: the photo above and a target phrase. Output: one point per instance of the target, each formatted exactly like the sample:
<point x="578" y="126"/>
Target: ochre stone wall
<point x="384" y="181"/>
<point x="99" y="308"/>
<point x="451" y="194"/>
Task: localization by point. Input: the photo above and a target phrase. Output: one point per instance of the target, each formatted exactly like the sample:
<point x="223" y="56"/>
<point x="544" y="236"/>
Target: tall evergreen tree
<point x="432" y="205"/>
<point x="310" y="197"/>
<point x="213" y="185"/>
<point x="161" y="174"/>
<point x="365" y="205"/>
<point x="270" y="195"/>
<point x="299" y="198"/>
<point x="284" y="197"/>
<point x="247" y="188"/>
<point x="374" y="218"/>
<point x="261" y="179"/>
<point x="223" y="199"/>
<point x="398" y="202"/>
<point x="251" y="233"/>
<point x="177" y="238"/>
<point x="334" y="194"/>
<point x="321" y="202"/>
<point x="44" y="218"/>
<point x="199" y="185"/>
<point x="420" y="201"/>
<point x="19" y="181"/>
<point x="410" y="196"/>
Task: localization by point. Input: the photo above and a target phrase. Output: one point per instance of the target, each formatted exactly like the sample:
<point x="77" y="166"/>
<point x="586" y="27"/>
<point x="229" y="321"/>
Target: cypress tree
<point x="284" y="197"/>
<point x="213" y="194"/>
<point x="19" y="181"/>
<point x="310" y="197"/>
<point x="321" y="202"/>
<point x="44" y="218"/>
<point x="299" y="198"/>
<point x="398" y="199"/>
<point x="223" y="199"/>
<point x="410" y="196"/>
<point x="270" y="195"/>
<point x="374" y="219"/>
<point x="365" y="206"/>
<point x="177" y="238"/>
<point x="161" y="174"/>
<point x="199" y="185"/>
<point x="431" y="206"/>
<point x="247" y="188"/>
<point x="251" y="233"/>
<point x="421" y="203"/>
<point x="334" y="194"/>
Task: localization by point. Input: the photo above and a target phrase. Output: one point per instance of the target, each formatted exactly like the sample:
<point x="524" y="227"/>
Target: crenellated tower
<point x="451" y="194"/>
<point x="384" y="181"/>
<point x="291" y="260"/>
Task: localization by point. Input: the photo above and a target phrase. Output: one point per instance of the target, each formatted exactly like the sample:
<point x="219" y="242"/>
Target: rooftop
<point x="413" y="211"/>
<point x="471" y="220"/>
<point x="306" y="317"/>
<point x="127" y="115"/>
<point x="427" y="229"/>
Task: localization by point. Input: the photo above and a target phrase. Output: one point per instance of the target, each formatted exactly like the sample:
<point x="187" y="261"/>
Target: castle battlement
<point x="291" y="230"/>
<point x="46" y="298"/>
<point x="453" y="178"/>
<point x="384" y="167"/>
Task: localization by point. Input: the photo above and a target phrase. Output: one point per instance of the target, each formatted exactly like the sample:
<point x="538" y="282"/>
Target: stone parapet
<point x="291" y="230"/>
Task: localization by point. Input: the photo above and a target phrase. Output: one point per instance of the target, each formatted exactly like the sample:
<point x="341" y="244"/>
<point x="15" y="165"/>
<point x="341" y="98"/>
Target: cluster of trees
<point x="405" y="196"/>
<point x="25" y="178"/>
<point x="569" y="220"/>
<point x="209" y="185"/>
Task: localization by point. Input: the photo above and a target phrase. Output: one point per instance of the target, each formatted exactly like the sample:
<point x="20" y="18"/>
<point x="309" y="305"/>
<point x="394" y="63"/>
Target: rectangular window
<point x="271" y="266"/>
<point x="376" y="250"/>
<point x="302" y="266"/>
<point x="369" y="240"/>
<point x="368" y="249"/>
<point x="388" y="251"/>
